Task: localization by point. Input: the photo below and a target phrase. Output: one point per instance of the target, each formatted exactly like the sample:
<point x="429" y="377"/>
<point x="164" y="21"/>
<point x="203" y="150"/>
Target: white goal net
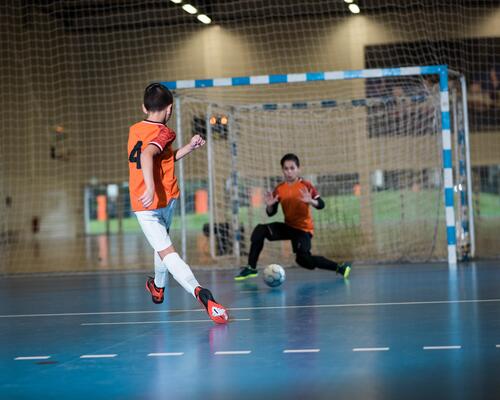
<point x="373" y="149"/>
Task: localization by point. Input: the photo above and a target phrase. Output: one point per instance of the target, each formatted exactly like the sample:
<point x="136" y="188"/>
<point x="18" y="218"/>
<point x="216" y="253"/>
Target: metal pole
<point x="456" y="139"/>
<point x="468" y="167"/>
<point x="235" y="201"/>
<point x="210" y="181"/>
<point x="182" y="185"/>
<point x="451" y="234"/>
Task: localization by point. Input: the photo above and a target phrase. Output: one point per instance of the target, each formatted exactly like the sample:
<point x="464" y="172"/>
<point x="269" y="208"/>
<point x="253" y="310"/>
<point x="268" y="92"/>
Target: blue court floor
<point x="390" y="332"/>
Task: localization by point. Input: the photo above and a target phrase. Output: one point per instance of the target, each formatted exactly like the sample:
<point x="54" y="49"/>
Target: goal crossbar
<point x="441" y="71"/>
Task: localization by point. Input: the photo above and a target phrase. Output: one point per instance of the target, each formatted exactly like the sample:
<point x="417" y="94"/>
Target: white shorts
<point x="155" y="224"/>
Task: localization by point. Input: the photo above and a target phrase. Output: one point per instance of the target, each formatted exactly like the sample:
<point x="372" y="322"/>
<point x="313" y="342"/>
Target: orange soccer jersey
<point x="297" y="213"/>
<point x="141" y="135"/>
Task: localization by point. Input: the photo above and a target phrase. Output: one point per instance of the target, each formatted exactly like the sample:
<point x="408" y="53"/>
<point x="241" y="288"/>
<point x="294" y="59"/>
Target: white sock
<point x="161" y="273"/>
<point x="181" y="272"/>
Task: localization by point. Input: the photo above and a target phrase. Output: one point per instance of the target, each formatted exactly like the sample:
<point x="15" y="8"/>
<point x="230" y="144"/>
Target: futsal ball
<point x="274" y="275"/>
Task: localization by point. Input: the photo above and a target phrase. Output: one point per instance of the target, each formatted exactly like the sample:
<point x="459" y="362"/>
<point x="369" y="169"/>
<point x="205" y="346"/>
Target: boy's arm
<point x="147" y="171"/>
<point x="272" y="210"/>
<point x="196" y="142"/>
<point x="311" y="196"/>
<point x="272" y="201"/>
<point x="318" y="203"/>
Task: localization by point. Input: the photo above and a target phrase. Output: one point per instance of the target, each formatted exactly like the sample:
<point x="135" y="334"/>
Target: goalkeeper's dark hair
<point x="157" y="97"/>
<point x="290" y="157"/>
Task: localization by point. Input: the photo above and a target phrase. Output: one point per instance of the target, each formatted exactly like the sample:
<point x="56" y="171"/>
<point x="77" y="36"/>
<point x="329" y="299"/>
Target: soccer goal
<point x="387" y="149"/>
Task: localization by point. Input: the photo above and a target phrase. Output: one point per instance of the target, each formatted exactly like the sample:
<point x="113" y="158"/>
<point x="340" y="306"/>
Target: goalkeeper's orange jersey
<point x="297" y="213"/>
<point x="141" y="135"/>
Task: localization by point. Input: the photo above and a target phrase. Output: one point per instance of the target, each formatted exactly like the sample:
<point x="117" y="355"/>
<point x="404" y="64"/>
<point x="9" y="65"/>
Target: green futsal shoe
<point x="344" y="269"/>
<point x="245" y="273"/>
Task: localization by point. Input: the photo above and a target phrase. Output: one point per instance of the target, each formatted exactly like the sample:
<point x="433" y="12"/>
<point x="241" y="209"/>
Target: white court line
<point x="301" y="351"/>
<point x="371" y="349"/>
<point x="442" y="347"/>
<point x="230" y="353"/>
<point x="498" y="346"/>
<point x="98" y="356"/>
<point x="408" y="303"/>
<point x="32" y="358"/>
<point x="157" y="322"/>
<point x="165" y="354"/>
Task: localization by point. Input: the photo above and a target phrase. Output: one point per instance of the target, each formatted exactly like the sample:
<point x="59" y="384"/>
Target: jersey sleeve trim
<point x="164" y="138"/>
<point x="157" y="145"/>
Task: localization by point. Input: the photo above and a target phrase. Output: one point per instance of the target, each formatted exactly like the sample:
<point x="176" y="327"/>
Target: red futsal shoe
<point x="215" y="311"/>
<point x="157" y="294"/>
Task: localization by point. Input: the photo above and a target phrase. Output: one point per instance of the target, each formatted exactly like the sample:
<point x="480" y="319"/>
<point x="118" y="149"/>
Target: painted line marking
<point x="165" y="354"/>
<point x="158" y="322"/>
<point x="98" y="356"/>
<point x="408" y="303"/>
<point x="301" y="351"/>
<point x="442" y="347"/>
<point x="230" y="353"/>
<point x="32" y="358"/>
<point x="360" y="349"/>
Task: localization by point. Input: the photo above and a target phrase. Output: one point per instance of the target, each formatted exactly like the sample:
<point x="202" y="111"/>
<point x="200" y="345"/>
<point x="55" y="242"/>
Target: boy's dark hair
<point x="290" y="157"/>
<point x="157" y="97"/>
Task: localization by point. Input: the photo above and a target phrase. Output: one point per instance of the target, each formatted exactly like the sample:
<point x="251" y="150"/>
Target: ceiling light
<point x="354" y="8"/>
<point x="176" y="1"/>
<point x="204" y="18"/>
<point x="189" y="9"/>
<point x="347" y="1"/>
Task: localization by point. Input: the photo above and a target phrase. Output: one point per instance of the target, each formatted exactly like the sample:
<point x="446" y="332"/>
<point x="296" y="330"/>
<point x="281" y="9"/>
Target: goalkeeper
<point x="295" y="195"/>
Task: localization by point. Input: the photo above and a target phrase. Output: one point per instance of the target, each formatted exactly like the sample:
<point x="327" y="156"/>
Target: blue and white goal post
<point x="461" y="137"/>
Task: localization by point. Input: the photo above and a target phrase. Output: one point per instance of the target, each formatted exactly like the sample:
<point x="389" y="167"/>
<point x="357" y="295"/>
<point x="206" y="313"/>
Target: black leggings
<point x="301" y="244"/>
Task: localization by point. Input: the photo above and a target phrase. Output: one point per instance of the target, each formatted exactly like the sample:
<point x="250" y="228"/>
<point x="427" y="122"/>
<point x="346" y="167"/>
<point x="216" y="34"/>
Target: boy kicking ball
<point x="153" y="194"/>
<point x="295" y="195"/>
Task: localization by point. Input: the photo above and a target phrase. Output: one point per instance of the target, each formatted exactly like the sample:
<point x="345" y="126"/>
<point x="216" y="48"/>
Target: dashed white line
<point x="165" y="354"/>
<point x="442" y="347"/>
<point x="230" y="353"/>
<point x="32" y="358"/>
<point x="98" y="356"/>
<point x="301" y="351"/>
<point x="158" y="322"/>
<point x="360" y="349"/>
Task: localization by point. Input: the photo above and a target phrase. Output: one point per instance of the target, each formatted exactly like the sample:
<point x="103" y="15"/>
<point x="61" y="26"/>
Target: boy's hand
<point x="147" y="198"/>
<point x="305" y="196"/>
<point x="270" y="200"/>
<point x="196" y="142"/>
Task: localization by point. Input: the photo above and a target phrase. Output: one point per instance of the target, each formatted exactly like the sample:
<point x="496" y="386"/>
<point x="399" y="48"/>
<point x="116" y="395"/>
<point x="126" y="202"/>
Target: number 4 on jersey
<point x="135" y="154"/>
